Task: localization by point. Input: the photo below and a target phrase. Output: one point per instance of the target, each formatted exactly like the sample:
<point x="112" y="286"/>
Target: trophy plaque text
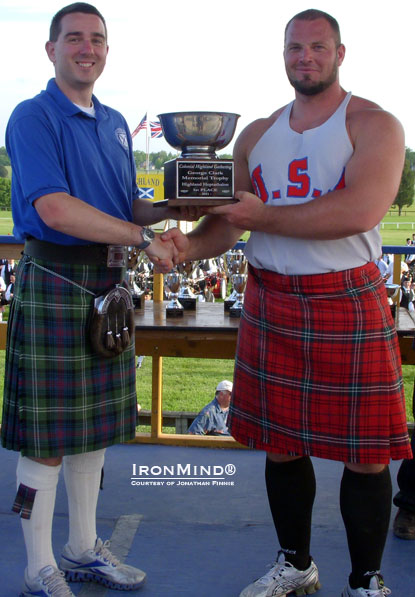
<point x="198" y="176"/>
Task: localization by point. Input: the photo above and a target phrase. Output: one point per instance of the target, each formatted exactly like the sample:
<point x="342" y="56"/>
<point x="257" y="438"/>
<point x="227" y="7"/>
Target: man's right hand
<point x="180" y="241"/>
<point x="163" y="254"/>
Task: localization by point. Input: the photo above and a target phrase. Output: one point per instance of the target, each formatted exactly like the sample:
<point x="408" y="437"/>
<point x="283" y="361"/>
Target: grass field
<point x="6" y="223"/>
<point x="391" y="235"/>
<point x="190" y="383"/>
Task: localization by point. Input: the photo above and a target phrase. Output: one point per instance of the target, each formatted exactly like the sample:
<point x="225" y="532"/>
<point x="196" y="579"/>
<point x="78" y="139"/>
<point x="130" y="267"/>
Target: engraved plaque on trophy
<point x="198" y="176"/>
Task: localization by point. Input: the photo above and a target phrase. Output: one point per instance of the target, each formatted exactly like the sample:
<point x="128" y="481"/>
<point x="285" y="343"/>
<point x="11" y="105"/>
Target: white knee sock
<point x="37" y="530"/>
<point x="82" y="473"/>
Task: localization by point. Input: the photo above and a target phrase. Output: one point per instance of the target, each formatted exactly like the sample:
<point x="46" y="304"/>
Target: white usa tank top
<point x="290" y="168"/>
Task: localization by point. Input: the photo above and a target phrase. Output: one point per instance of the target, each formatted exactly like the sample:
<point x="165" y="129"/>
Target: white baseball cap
<point x="224" y="385"/>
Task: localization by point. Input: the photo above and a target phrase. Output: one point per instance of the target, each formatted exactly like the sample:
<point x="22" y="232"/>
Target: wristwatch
<point x="148" y="237"/>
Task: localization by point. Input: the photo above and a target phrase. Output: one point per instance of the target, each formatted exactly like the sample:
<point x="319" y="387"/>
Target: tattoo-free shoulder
<point x="252" y="133"/>
<point x="363" y="115"/>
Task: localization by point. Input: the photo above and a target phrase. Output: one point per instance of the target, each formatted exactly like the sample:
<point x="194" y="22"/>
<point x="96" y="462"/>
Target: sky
<point x="214" y="55"/>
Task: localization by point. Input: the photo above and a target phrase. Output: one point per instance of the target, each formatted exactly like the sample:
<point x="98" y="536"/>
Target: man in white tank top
<point x="314" y="180"/>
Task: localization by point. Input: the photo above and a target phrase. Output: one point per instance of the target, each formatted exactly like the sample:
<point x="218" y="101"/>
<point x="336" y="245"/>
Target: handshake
<point x="167" y="250"/>
<point x="215" y="237"/>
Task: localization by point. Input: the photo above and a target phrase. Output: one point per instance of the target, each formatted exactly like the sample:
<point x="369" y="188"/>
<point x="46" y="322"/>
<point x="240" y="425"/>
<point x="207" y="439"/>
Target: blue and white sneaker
<point x="50" y="582"/>
<point x="376" y="589"/>
<point x="283" y="579"/>
<point x="101" y="566"/>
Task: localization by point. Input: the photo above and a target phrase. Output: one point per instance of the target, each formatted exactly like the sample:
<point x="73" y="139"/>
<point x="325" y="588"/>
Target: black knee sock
<point x="365" y="503"/>
<point x="291" y="488"/>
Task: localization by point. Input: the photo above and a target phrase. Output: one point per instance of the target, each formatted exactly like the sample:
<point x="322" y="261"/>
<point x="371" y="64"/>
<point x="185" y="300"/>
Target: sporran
<point x="112" y="323"/>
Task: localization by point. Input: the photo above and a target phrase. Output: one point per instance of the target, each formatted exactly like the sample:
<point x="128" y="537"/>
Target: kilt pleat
<point x="60" y="397"/>
<point x="318" y="368"/>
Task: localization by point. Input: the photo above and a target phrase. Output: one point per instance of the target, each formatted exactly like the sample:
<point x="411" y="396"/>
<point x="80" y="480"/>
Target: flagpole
<point x="147" y="147"/>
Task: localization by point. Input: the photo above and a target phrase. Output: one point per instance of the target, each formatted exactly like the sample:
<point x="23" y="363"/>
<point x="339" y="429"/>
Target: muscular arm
<point x="144" y="213"/>
<point x="212" y="237"/>
<point x="372" y="180"/>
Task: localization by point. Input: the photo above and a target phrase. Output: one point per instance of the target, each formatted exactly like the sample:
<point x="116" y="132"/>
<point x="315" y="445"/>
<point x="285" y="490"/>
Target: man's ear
<point x="50" y="50"/>
<point x="341" y="52"/>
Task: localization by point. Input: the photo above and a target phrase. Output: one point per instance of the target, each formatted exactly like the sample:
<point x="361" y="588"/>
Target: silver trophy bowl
<point x="392" y="290"/>
<point x="198" y="133"/>
<point x="173" y="281"/>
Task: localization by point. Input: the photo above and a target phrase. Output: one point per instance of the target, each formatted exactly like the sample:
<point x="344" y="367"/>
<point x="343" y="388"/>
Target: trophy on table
<point x="173" y="281"/>
<point x="235" y="262"/>
<point x="137" y="294"/>
<point x="198" y="176"/>
<point x="392" y="290"/>
<point x="239" y="283"/>
<point x="186" y="296"/>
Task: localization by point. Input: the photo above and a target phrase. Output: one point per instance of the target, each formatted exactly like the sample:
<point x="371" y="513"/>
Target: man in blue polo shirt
<point x="75" y="205"/>
<point x="213" y="417"/>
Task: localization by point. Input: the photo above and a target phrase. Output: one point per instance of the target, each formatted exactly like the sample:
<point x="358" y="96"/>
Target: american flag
<point x="156" y="130"/>
<point x="142" y="125"/>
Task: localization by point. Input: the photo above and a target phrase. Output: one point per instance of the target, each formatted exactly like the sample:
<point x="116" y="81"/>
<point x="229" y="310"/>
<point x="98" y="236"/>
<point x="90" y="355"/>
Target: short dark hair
<point x="313" y="14"/>
<point x="55" y="26"/>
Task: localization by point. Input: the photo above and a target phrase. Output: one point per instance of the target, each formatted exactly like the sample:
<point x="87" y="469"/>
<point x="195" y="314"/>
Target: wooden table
<point x="405" y="326"/>
<point x="207" y="333"/>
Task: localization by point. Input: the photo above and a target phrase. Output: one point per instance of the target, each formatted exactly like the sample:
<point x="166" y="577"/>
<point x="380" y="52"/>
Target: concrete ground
<point x="208" y="540"/>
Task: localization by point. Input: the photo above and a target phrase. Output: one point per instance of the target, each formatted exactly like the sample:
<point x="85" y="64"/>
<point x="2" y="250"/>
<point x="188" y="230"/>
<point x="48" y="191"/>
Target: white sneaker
<point x="282" y="579"/>
<point x="376" y="589"/>
<point x="50" y="582"/>
<point x="101" y="566"/>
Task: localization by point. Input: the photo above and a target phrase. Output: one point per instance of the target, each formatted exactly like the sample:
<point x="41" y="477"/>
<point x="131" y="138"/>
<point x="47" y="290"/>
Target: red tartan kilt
<point x="318" y="368"/>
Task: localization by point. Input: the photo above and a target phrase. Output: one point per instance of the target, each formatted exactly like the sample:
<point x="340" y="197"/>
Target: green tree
<point x="405" y="194"/>
<point x="156" y="160"/>
<point x="140" y="159"/>
<point x="159" y="159"/>
<point x="3" y="171"/>
<point x="4" y="158"/>
<point x="410" y="155"/>
<point x="5" y="193"/>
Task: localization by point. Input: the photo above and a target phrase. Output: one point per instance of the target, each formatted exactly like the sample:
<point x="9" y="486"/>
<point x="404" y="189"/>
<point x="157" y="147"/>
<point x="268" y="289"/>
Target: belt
<point x="105" y="255"/>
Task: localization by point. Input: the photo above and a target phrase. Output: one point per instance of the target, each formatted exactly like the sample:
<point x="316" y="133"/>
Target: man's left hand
<point x="187" y="213"/>
<point x="249" y="213"/>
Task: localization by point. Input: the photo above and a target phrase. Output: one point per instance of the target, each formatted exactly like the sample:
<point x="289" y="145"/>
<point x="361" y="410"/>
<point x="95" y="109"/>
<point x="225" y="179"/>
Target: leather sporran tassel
<point x="118" y="344"/>
<point x="109" y="340"/>
<point x="125" y="336"/>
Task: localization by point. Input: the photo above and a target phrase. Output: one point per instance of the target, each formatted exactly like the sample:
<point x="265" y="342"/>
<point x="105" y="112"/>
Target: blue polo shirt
<point x="56" y="147"/>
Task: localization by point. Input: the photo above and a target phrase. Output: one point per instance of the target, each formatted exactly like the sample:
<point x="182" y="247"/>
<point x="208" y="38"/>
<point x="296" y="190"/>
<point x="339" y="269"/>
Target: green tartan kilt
<point x="60" y="397"/>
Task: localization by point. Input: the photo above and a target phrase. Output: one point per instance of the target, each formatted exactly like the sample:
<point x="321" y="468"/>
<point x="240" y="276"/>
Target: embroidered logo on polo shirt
<point x="122" y="137"/>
